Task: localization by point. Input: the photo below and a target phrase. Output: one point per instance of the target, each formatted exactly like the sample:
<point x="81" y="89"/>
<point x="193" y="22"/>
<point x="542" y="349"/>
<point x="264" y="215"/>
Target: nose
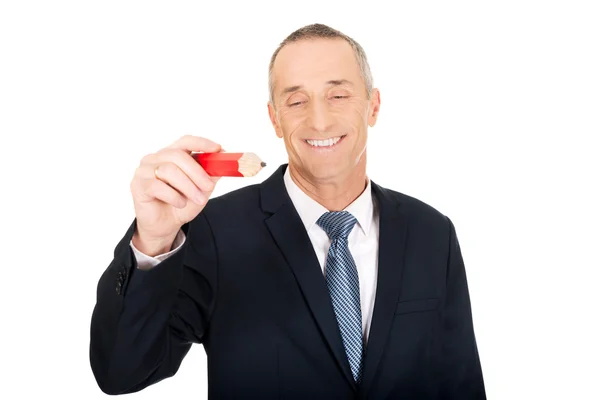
<point x="320" y="117"/>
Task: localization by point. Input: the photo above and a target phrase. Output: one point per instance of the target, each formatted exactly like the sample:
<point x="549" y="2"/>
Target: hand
<point x="169" y="189"/>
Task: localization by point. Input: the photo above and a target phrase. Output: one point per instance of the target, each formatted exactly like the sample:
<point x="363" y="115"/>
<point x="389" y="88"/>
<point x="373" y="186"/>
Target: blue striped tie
<point x="342" y="282"/>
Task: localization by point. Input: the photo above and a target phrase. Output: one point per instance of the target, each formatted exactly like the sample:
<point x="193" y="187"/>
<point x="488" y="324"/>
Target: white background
<point x="490" y="113"/>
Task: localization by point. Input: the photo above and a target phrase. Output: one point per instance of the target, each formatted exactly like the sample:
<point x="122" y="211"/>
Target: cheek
<point x="290" y="122"/>
<point x="352" y="117"/>
<point x="359" y="112"/>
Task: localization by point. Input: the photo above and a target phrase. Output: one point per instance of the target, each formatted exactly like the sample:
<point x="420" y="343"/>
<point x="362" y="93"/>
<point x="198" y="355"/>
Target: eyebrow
<point x="340" y="82"/>
<point x="333" y="82"/>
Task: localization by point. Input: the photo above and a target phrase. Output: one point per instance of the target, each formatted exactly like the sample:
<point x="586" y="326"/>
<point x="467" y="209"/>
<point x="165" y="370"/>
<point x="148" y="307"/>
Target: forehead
<point x="315" y="61"/>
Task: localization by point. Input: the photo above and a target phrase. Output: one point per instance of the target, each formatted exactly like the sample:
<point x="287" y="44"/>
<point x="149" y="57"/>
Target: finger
<point x="191" y="143"/>
<point x="160" y="190"/>
<point x="188" y="165"/>
<point x="172" y="175"/>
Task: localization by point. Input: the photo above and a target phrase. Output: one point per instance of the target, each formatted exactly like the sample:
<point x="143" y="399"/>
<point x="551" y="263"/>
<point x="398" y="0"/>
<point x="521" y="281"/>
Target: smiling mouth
<point x="326" y="143"/>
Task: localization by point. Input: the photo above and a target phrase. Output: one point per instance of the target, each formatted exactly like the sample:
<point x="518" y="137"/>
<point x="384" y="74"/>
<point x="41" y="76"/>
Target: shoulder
<point x="235" y="204"/>
<point x="415" y="210"/>
<point x="244" y="196"/>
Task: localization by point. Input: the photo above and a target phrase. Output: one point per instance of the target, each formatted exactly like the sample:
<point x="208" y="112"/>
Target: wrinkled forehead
<point x="311" y="63"/>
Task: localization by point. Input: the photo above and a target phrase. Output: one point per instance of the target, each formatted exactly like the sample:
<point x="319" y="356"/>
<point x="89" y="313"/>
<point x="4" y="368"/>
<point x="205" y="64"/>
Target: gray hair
<point x="320" y="31"/>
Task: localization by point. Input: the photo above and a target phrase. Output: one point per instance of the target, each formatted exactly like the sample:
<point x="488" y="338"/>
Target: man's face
<point x="321" y="108"/>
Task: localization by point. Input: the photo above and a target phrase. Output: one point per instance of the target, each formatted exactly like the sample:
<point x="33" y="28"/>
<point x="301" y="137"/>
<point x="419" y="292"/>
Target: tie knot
<point x="337" y="224"/>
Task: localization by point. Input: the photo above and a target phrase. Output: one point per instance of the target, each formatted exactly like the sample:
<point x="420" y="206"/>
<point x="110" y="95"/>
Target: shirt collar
<point x="310" y="210"/>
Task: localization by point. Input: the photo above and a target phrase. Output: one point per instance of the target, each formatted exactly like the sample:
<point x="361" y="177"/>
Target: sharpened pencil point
<point x="263" y="164"/>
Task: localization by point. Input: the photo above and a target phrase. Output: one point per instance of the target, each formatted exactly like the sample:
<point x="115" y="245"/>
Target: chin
<point x="325" y="171"/>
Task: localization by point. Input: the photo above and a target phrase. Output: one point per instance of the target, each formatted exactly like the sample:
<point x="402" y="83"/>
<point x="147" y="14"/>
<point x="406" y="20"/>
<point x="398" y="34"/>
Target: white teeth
<point x="323" y="143"/>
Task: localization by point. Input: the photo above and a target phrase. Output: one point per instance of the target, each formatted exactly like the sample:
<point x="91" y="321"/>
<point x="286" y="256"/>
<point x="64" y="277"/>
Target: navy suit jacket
<point x="248" y="286"/>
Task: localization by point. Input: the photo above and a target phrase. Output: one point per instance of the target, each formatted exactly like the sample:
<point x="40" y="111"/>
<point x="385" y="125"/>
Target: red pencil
<point x="230" y="164"/>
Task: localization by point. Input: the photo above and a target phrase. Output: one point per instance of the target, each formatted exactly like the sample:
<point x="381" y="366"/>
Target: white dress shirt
<point x="363" y="241"/>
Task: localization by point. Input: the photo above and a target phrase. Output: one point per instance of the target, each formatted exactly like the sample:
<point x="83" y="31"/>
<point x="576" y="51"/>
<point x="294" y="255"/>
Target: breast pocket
<point x="418" y="305"/>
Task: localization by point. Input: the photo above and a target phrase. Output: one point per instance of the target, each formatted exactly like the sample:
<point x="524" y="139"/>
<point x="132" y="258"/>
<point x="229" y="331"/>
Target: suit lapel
<point x="292" y="239"/>
<point x="392" y="238"/>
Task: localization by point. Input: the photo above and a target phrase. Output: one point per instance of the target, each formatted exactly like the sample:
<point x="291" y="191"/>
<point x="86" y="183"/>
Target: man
<point x="315" y="284"/>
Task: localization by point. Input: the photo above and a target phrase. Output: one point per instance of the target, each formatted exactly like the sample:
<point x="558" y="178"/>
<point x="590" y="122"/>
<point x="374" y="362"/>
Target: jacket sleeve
<point x="145" y="321"/>
<point x="460" y="369"/>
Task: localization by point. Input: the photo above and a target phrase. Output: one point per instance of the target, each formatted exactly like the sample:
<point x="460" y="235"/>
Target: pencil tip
<point x="263" y="164"/>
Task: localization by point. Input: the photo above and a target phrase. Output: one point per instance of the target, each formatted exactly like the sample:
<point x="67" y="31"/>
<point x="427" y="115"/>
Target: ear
<point x="273" y="118"/>
<point x="374" y="106"/>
